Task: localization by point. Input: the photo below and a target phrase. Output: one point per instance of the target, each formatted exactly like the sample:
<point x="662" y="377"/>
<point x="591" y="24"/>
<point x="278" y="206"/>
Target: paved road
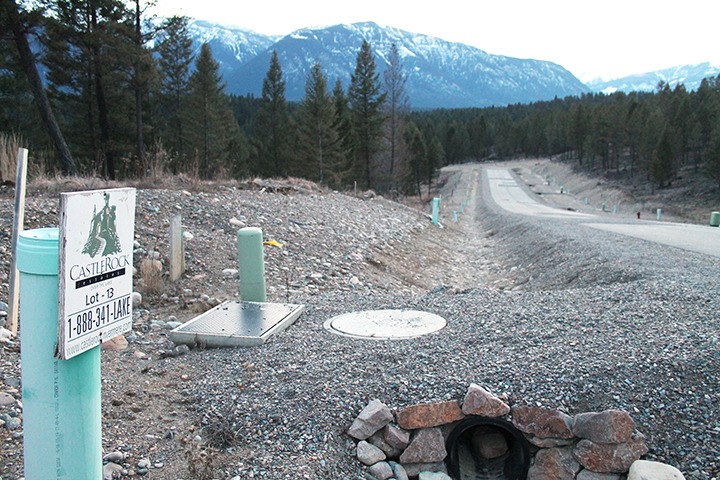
<point x="511" y="196"/>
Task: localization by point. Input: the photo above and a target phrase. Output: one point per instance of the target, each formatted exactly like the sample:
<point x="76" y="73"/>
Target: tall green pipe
<point x="251" y="261"/>
<point x="62" y="436"/>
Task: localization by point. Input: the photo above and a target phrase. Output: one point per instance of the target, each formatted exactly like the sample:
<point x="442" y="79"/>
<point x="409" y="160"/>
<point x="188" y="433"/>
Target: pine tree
<point x="271" y="132"/>
<point x="366" y="115"/>
<point x="397" y="107"/>
<point x="175" y="60"/>
<point x="418" y="156"/>
<point x="143" y="71"/>
<point x="89" y="65"/>
<point x="211" y="128"/>
<point x="319" y="141"/>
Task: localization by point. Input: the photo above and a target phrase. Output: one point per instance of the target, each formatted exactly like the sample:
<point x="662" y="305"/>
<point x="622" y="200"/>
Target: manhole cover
<point x="385" y="324"/>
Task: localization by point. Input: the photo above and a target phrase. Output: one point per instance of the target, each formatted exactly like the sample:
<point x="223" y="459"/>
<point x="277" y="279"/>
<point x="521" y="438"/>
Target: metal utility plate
<point x="237" y="324"/>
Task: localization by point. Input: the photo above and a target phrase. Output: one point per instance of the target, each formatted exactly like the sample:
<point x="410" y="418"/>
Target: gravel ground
<point x="549" y="313"/>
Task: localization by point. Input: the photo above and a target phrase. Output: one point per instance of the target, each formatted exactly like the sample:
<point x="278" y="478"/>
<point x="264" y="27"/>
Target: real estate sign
<point x="97" y="231"/>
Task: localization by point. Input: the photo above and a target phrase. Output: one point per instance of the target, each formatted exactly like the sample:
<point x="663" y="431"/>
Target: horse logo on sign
<point x="103" y="237"/>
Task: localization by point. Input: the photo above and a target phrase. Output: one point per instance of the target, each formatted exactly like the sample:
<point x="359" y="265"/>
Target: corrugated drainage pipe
<point x="483" y="448"/>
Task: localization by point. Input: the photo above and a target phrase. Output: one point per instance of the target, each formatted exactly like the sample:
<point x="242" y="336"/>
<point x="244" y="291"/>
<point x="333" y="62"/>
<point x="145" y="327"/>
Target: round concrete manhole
<point x="385" y="324"/>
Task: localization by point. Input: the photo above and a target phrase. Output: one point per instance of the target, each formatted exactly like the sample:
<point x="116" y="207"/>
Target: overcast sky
<point x="606" y="39"/>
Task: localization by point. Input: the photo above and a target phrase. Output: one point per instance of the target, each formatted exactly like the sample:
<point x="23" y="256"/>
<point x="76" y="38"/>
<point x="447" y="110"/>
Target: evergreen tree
<point x="175" y="60"/>
<point x="211" y="128"/>
<point x="418" y="156"/>
<point x="88" y="60"/>
<point x="435" y="159"/>
<point x="271" y="132"/>
<point x="318" y="144"/>
<point x="366" y="116"/>
<point x="712" y="166"/>
<point x="143" y="71"/>
<point x="664" y="158"/>
<point x="397" y="106"/>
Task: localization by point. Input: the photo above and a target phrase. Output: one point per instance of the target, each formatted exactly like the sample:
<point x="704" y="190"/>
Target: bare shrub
<point x="158" y="162"/>
<point x="151" y="278"/>
<point x="202" y="462"/>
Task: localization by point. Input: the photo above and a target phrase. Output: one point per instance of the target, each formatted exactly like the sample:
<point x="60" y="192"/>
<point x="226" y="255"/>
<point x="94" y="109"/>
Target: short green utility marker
<point x="237" y="324"/>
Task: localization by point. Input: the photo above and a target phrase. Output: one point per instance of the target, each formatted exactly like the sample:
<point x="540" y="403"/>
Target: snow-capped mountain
<point x="440" y="73"/>
<point x="688" y="75"/>
<point x="231" y="46"/>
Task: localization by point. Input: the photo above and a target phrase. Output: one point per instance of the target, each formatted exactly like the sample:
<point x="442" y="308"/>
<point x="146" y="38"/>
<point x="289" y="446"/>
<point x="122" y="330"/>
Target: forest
<point x="101" y="88"/>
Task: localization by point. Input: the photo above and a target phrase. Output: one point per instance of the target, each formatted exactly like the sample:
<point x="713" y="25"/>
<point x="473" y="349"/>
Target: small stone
<point x="6" y="399"/>
<point x="230" y="272"/>
<point x="381" y="471"/>
<point x="644" y="470"/>
<point x="114" y="457"/>
<point x="555" y="463"/>
<point x="415" y="469"/>
<point x="589" y="475"/>
<point x="549" y="442"/>
<point x="429" y="415"/>
<point x="136" y="299"/>
<point x="433" y="476"/>
<point x="115" y="344"/>
<point x="372" y="418"/>
<point x="398" y="471"/>
<point x="396" y="437"/>
<point x="369" y="454"/>
<point x="610" y="458"/>
<point x="609" y="426"/>
<point x="427" y="446"/>
<point x="5" y="335"/>
<point x="237" y="223"/>
<point x="542" y="422"/>
<point x="111" y="470"/>
<point x="143" y="463"/>
<point x="378" y="439"/>
<point x="489" y="443"/>
<point x="479" y="401"/>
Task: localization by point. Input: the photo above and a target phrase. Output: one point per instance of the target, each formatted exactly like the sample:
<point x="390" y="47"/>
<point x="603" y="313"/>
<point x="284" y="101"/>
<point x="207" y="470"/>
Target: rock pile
<point x="411" y="442"/>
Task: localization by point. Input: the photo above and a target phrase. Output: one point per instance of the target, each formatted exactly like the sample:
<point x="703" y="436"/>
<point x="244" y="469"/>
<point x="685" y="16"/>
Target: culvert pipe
<point x="484" y="448"/>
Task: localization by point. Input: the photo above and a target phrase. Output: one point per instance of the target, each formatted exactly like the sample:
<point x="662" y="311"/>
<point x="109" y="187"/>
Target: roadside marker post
<point x="436" y="211"/>
<point x="62" y="437"/>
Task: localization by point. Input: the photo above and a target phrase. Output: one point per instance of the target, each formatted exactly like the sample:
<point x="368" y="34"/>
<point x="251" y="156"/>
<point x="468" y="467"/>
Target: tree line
<point x="649" y="134"/>
<point x="125" y="96"/>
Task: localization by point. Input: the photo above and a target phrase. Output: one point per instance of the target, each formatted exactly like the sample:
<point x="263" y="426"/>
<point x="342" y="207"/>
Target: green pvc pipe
<point x="62" y="429"/>
<point x="659" y="214"/>
<point x="715" y="219"/>
<point x="436" y="211"/>
<point x="251" y="262"/>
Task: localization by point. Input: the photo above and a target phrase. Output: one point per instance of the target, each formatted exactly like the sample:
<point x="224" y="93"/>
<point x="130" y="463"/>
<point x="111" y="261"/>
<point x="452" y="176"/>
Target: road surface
<point x="512" y="196"/>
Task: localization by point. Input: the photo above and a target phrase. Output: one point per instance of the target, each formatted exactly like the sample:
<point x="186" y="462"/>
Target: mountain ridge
<point x="440" y="73"/>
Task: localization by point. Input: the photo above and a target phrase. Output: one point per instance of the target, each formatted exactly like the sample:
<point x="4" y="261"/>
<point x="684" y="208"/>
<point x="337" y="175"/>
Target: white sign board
<point x="97" y="230"/>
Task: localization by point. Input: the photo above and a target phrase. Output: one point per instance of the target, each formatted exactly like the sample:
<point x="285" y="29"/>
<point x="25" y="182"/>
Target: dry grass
<point x="9" y="145"/>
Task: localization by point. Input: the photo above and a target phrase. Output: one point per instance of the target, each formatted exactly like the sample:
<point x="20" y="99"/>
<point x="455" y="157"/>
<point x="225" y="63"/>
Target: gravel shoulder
<point x="545" y="312"/>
